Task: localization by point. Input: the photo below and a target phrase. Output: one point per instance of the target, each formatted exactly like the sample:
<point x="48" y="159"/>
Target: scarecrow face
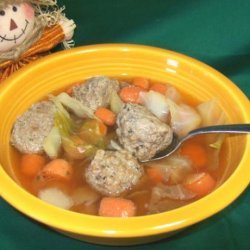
<point x="16" y="22"/>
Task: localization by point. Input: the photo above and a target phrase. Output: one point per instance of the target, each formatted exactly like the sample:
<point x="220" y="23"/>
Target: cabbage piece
<point x="52" y="143"/>
<point x="78" y="149"/>
<point x="90" y="132"/>
<point x="156" y="103"/>
<point x="175" y="192"/>
<point x="212" y="114"/>
<point x="115" y="102"/>
<point x="75" y="106"/>
<point x="74" y="146"/>
<point x="183" y="118"/>
<point x="165" y="205"/>
<point x="175" y="167"/>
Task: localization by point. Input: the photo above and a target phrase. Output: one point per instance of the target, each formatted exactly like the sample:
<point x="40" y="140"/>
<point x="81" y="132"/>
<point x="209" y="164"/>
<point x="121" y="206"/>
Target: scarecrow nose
<point x="12" y="24"/>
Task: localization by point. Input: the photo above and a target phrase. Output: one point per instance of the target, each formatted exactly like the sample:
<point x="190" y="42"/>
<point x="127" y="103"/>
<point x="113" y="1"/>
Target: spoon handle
<point x="227" y="129"/>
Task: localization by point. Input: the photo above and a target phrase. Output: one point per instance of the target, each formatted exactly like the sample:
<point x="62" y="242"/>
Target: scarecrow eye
<point x="2" y="12"/>
<point x="14" y="8"/>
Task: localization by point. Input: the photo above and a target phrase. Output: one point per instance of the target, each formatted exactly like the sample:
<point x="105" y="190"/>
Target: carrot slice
<point x="155" y="174"/>
<point x="117" y="207"/>
<point x="200" y="184"/>
<point x="196" y="153"/>
<point x="141" y="82"/>
<point x="159" y="87"/>
<point x="56" y="169"/>
<point x="106" y="116"/>
<point x="130" y="94"/>
<point x="31" y="164"/>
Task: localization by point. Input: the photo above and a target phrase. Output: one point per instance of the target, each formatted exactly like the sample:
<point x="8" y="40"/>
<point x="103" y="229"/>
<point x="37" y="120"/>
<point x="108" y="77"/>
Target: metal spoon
<point x="176" y="142"/>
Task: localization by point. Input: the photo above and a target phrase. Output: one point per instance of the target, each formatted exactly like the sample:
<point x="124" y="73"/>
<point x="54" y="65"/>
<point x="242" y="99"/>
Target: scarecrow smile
<point x="15" y="38"/>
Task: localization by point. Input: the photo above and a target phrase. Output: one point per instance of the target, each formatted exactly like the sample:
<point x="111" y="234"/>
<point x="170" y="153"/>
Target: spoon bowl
<point x="218" y="129"/>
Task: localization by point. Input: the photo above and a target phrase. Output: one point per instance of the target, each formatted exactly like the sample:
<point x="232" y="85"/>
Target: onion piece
<point x="156" y="103"/>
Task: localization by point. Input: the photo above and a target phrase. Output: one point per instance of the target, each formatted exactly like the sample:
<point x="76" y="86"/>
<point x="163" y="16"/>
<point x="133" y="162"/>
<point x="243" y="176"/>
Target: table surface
<point x="215" y="32"/>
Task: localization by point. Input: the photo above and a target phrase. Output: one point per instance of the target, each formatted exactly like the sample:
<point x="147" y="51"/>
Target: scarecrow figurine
<point x="28" y="30"/>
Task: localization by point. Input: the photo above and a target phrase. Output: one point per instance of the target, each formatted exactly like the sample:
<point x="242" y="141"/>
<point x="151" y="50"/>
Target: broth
<point x="87" y="199"/>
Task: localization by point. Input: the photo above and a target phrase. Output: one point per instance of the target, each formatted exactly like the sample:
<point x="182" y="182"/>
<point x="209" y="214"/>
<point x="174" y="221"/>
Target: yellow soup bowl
<point x="59" y="70"/>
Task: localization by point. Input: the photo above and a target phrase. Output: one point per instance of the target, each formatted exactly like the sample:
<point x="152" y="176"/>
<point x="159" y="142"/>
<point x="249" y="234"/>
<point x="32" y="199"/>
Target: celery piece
<point x="75" y="106"/>
<point x="115" y="102"/>
<point x="76" y="137"/>
<point x="52" y="143"/>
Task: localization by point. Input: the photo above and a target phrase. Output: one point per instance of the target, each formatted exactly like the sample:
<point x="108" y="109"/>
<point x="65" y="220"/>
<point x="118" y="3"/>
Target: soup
<point x="82" y="149"/>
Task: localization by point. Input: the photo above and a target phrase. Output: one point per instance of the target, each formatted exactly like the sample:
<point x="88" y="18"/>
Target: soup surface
<point x="81" y="149"/>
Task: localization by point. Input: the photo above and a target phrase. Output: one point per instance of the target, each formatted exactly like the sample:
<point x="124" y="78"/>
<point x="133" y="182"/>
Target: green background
<point x="216" y="32"/>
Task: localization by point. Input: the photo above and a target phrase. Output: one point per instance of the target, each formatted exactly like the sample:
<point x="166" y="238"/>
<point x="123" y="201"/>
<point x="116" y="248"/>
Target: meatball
<point x="95" y="92"/>
<point x="31" y="128"/>
<point x="142" y="133"/>
<point x="113" y="172"/>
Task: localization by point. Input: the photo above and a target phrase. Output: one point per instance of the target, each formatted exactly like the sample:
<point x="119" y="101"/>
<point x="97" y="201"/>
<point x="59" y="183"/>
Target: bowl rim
<point x="140" y="226"/>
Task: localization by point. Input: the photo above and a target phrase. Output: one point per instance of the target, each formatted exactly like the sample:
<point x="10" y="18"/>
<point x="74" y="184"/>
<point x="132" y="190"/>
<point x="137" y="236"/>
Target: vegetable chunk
<point x="160" y="88"/>
<point x="141" y="82"/>
<point x="56" y="169"/>
<point x="155" y="174"/>
<point x="117" y="207"/>
<point x="196" y="153"/>
<point x="130" y="94"/>
<point x="31" y="164"/>
<point x="106" y="116"/>
<point x="56" y="197"/>
<point x="200" y="184"/>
